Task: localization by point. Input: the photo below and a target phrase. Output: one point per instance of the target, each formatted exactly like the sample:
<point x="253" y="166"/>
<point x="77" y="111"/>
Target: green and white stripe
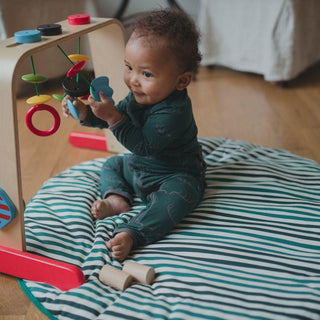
<point x="251" y="250"/>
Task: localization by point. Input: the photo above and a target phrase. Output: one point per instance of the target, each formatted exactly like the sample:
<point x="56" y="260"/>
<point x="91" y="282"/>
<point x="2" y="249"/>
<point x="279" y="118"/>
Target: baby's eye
<point x="147" y="74"/>
<point x="128" y="67"/>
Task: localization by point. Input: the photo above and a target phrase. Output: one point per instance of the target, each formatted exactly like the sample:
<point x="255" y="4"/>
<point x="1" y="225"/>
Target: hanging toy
<point x="38" y="101"/>
<point x="76" y="83"/>
<point x="101" y="84"/>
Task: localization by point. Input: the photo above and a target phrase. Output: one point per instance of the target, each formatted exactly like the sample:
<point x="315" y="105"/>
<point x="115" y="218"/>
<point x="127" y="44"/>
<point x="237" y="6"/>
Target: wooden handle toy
<point x="139" y="272"/>
<point x="115" y="278"/>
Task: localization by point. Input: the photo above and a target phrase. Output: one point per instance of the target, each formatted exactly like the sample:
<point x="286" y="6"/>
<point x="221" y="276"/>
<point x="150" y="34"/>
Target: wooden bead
<point x="78" y="19"/>
<point x="76" y="69"/>
<point x="101" y="84"/>
<point x="72" y="109"/>
<point x="51" y="29"/>
<point x="42" y="98"/>
<point x="27" y="36"/>
<point x="75" y="88"/>
<point x="139" y="272"/>
<point x="34" y="78"/>
<point x="78" y="57"/>
<point x="58" y="97"/>
<point x="115" y="278"/>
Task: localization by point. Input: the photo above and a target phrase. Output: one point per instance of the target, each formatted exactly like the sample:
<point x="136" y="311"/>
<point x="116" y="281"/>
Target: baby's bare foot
<point x="108" y="207"/>
<point x="121" y="245"/>
<point x="101" y="209"/>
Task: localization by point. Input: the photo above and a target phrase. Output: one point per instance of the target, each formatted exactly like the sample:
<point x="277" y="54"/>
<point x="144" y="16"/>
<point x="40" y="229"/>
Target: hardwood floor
<point x="244" y="107"/>
<point x="226" y="104"/>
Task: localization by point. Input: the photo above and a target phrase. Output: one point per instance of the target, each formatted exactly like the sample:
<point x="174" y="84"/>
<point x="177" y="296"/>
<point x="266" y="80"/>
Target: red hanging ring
<point x="40" y="107"/>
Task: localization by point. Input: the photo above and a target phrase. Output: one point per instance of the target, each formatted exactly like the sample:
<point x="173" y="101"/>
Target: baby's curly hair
<point x="180" y="31"/>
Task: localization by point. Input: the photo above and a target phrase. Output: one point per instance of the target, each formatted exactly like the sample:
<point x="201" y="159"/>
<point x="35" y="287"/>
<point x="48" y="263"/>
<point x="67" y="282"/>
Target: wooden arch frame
<point x="107" y="41"/>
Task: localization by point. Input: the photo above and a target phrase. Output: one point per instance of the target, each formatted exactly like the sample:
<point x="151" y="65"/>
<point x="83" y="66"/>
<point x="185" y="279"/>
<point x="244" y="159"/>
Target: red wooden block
<point x="32" y="267"/>
<point x="88" y="140"/>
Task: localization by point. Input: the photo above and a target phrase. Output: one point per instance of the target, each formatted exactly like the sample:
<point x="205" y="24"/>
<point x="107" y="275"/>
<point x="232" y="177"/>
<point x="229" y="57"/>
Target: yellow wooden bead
<point x="78" y="57"/>
<point x="42" y="98"/>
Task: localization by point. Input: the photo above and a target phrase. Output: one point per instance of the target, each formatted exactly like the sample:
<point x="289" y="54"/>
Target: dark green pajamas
<point x="165" y="167"/>
<point x="169" y="198"/>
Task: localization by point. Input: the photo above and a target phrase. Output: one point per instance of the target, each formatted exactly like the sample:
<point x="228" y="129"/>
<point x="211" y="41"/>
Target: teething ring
<point x="41" y="107"/>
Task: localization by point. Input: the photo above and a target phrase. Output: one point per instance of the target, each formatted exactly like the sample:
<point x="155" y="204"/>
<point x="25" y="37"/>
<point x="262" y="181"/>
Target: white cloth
<point x="276" y="38"/>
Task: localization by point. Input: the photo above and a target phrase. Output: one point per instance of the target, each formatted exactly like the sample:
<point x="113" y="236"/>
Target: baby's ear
<point x="184" y="80"/>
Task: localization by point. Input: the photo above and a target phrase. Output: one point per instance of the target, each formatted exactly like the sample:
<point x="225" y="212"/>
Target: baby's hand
<point x="79" y="105"/>
<point x="104" y="109"/>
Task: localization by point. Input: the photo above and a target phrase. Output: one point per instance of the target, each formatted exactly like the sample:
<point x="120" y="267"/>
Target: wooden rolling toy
<point x="106" y="40"/>
<point x="115" y="278"/>
<point x="131" y="272"/>
<point x="140" y="272"/>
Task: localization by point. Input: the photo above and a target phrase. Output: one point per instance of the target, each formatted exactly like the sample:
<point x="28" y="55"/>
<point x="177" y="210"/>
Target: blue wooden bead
<point x="101" y="84"/>
<point x="72" y="109"/>
<point x="27" y="36"/>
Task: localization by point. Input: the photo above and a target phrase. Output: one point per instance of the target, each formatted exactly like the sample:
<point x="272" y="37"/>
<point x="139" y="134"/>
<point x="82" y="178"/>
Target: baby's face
<point x="151" y="71"/>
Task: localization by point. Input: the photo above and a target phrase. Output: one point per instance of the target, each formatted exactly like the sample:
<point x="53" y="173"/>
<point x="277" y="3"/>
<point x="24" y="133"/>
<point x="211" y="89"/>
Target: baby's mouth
<point x="137" y="94"/>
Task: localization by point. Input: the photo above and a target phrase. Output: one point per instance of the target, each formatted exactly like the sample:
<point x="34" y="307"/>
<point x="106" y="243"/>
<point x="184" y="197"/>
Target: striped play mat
<point x="251" y="250"/>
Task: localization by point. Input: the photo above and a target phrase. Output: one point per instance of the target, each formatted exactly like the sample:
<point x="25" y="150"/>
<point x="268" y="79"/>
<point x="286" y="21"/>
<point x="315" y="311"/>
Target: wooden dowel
<point x="115" y="278"/>
<point x="139" y="272"/>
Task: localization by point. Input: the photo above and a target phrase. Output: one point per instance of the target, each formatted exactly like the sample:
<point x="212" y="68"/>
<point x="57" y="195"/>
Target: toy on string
<point x="77" y="85"/>
<point x="38" y="101"/>
<point x="39" y="104"/>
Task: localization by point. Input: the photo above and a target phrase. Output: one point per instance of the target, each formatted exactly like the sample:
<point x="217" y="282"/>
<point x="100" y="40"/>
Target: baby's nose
<point x="134" y="80"/>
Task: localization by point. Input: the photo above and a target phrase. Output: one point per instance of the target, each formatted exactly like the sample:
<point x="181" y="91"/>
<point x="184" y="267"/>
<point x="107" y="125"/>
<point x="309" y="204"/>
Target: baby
<point x="155" y="122"/>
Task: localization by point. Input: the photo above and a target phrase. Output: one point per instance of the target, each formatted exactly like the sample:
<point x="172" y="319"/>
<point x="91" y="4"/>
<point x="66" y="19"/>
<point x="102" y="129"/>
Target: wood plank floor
<point x="226" y="104"/>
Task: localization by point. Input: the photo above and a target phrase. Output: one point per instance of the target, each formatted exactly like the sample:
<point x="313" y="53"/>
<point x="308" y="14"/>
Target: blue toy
<point x="101" y="84"/>
<point x="7" y="209"/>
<point x="72" y="109"/>
<point x="27" y="36"/>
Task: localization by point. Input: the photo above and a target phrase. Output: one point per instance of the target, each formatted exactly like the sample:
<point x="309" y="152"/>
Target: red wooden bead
<point x="76" y="69"/>
<point x="77" y="19"/>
